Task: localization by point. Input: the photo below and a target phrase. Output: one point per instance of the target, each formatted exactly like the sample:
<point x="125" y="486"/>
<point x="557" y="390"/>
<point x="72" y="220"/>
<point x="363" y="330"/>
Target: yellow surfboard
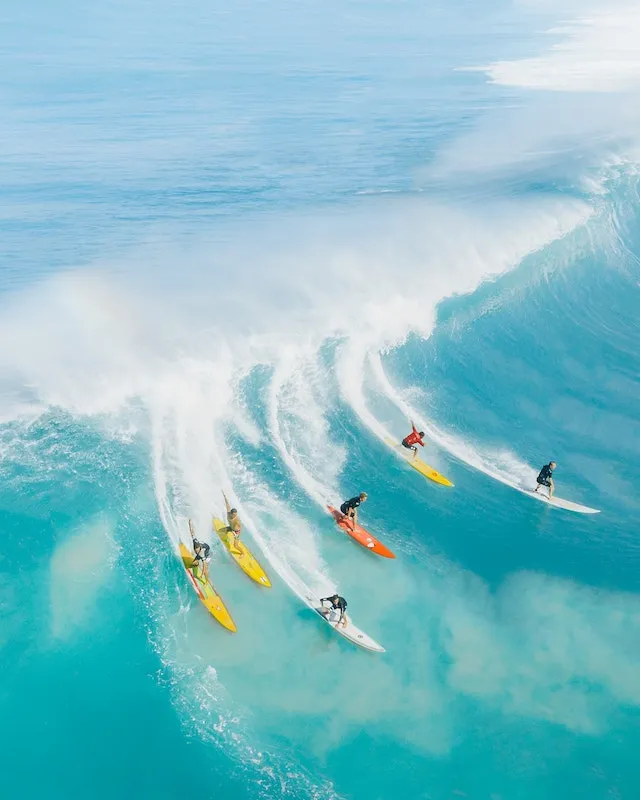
<point x="205" y="591"/>
<point x="419" y="465"/>
<point x="241" y="554"/>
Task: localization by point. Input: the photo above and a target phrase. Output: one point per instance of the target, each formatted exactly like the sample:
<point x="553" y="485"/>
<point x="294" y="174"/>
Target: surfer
<point x="234" y="526"/>
<point x="350" y="507"/>
<point x="201" y="557"/>
<point x="414" y="438"/>
<point x="545" y="478"/>
<point x="337" y="604"/>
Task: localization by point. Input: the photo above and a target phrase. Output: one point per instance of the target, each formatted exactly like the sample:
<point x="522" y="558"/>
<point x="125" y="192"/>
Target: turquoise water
<point x="239" y="244"/>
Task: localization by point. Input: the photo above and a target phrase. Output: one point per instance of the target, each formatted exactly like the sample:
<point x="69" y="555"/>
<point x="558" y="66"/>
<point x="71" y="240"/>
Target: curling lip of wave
<point x="91" y="343"/>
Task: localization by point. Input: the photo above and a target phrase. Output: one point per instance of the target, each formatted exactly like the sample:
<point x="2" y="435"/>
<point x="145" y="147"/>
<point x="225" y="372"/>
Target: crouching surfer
<point x="350" y="507"/>
<point x="201" y="556"/>
<point x="337" y="606"/>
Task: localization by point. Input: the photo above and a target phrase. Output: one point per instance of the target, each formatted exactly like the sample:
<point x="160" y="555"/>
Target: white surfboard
<point x="349" y="631"/>
<point x="558" y="502"/>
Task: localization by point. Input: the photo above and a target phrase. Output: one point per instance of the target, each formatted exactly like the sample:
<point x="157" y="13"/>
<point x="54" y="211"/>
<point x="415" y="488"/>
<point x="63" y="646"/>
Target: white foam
<point x="595" y="52"/>
<point x="501" y="464"/>
<point x="350" y="367"/>
<point x="289" y="542"/>
<point x="297" y="404"/>
<point x="192" y="467"/>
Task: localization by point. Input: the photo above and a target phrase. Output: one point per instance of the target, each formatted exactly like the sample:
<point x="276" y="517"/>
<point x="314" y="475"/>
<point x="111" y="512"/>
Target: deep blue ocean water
<point x="239" y="243"/>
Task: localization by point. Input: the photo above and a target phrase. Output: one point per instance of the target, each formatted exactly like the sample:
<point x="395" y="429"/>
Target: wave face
<point x="241" y="245"/>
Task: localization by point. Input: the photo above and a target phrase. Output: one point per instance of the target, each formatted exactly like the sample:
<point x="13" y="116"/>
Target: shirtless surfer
<point x="234" y="526"/>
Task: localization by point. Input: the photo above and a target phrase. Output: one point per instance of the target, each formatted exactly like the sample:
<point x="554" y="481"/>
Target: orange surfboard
<point x="361" y="535"/>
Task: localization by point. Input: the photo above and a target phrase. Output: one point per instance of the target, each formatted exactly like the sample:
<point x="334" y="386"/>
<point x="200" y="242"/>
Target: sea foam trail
<point x="352" y="361"/>
<point x="298" y="400"/>
<point x="288" y="540"/>
<point x="282" y="386"/>
<point x="502" y="465"/>
<point x="190" y="473"/>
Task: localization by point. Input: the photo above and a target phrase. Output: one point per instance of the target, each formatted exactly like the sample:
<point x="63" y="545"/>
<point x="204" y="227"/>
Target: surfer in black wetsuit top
<point x="350" y="507"/>
<point x="337" y="604"/>
<point x="545" y="478"/>
<point x="201" y="554"/>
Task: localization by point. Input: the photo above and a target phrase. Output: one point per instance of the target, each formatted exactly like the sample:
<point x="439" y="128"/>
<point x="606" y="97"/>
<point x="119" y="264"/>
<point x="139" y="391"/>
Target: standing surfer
<point x="234" y="526"/>
<point x="414" y="438"/>
<point x="545" y="478"/>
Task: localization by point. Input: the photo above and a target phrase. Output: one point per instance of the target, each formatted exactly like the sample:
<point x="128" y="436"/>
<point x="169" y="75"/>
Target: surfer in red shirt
<point x="413" y="439"/>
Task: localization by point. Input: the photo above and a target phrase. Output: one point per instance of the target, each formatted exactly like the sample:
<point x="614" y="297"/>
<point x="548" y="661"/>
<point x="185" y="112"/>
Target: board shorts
<point x="344" y="508"/>
<point x="231" y="539"/>
<point x="407" y="445"/>
<point x="544" y="482"/>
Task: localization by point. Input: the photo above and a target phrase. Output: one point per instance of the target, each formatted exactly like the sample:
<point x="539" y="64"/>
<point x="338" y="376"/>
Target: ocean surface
<point x="241" y="243"/>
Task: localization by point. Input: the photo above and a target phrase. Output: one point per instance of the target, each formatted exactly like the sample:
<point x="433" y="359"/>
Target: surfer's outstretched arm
<point x="226" y="502"/>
